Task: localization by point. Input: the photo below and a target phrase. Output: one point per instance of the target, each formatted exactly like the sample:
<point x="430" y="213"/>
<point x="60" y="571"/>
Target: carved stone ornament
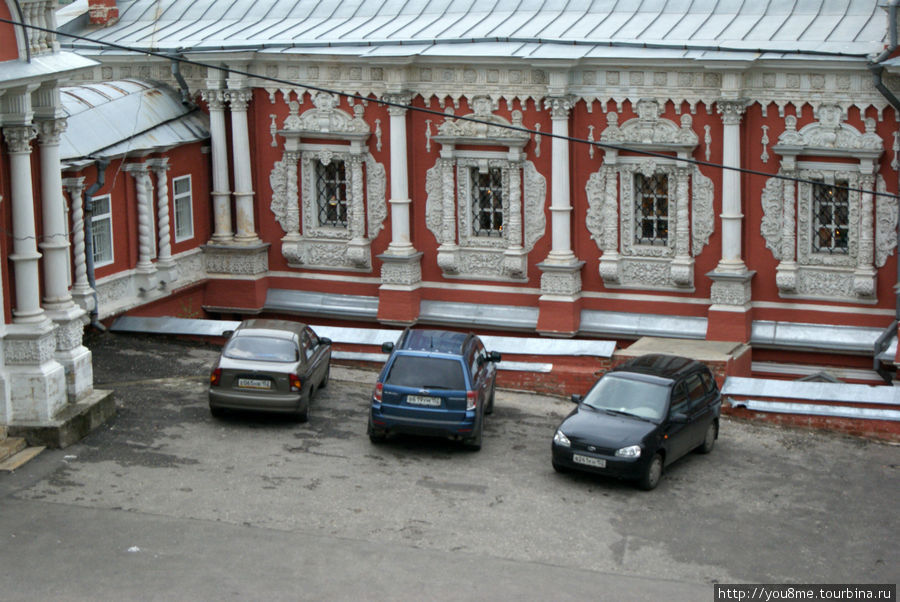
<point x="804" y="272"/>
<point x="448" y="212"/>
<point x="612" y="200"/>
<point x="307" y="243"/>
<point x="481" y="257"/>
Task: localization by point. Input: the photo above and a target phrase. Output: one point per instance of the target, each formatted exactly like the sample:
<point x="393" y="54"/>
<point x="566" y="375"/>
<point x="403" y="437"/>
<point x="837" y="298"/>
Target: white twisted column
<point x="55" y="244"/>
<point x="164" y="254"/>
<point x="80" y="286"/>
<point x="140" y="172"/>
<point x="25" y="254"/>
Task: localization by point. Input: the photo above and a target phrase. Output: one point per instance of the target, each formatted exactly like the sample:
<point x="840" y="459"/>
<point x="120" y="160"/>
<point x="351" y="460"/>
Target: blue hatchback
<point x="435" y="382"/>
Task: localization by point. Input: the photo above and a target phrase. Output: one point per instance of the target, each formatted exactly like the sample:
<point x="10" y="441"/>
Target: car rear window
<point x="426" y="372"/>
<point x="262" y="349"/>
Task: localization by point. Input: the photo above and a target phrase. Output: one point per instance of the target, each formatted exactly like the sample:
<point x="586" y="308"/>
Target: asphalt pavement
<point x="167" y="503"/>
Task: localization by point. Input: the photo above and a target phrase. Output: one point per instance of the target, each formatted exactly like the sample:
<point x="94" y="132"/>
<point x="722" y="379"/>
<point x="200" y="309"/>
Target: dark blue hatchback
<point x="435" y="382"/>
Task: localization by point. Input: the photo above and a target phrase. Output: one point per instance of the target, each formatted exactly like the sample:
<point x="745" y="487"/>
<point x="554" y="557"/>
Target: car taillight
<point x="471" y="400"/>
<point x="215" y="377"/>
<point x="296" y="383"/>
<point x="379" y="388"/>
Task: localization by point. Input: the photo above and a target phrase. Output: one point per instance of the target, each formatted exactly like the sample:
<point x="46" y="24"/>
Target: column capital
<point x="50" y="130"/>
<point x="403" y="98"/>
<point x="74" y="185"/>
<point x="239" y="99"/>
<point x="159" y="164"/>
<point x="214" y="98"/>
<point x="559" y="106"/>
<point x="19" y="137"/>
<point x="731" y="110"/>
<point x="136" y="169"/>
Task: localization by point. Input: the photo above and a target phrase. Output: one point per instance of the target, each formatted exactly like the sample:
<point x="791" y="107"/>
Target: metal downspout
<point x="101" y="164"/>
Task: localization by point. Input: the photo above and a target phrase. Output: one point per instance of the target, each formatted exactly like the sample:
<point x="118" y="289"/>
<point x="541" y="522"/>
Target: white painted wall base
<point x="37" y="393"/>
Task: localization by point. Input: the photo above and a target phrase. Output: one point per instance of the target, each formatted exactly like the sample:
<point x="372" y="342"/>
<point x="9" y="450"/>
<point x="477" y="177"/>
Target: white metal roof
<point x="533" y="28"/>
<point x="111" y="119"/>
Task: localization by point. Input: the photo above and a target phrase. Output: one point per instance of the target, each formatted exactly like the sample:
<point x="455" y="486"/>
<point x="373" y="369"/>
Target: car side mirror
<point x="494" y="356"/>
<point x="227" y="333"/>
<point x="678" y="418"/>
<point x="577" y="398"/>
<point x="387" y="347"/>
<point x="324" y="341"/>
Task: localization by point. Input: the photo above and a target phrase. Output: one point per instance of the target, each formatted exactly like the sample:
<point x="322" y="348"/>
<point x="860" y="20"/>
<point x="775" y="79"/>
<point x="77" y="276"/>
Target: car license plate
<point x="254" y="383"/>
<point x="589" y="461"/>
<point x="423" y="400"/>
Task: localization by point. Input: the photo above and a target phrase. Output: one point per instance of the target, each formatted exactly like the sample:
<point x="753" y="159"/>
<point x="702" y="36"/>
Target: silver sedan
<point x="272" y="366"/>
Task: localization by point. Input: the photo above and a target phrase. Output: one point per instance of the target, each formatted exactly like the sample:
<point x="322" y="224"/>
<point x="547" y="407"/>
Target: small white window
<point x="101" y="231"/>
<point x="184" y="212"/>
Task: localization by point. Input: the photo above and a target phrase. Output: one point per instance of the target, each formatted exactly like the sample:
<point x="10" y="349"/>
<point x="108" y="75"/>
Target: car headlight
<point x="632" y="451"/>
<point x="560" y="439"/>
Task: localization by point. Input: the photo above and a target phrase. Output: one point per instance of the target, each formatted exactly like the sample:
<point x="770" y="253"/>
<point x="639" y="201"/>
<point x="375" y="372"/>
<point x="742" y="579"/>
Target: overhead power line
<point x="426" y="110"/>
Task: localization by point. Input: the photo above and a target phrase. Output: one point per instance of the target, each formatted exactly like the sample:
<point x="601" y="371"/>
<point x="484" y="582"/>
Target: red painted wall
<point x="8" y="49"/>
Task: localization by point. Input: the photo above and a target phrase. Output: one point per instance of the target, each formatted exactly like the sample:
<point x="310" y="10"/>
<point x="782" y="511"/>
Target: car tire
<point x="559" y="468"/>
<point x="376" y="436"/>
<point x="216" y="412"/>
<point x="302" y="415"/>
<point x="474" y="443"/>
<point x="652" y="474"/>
<point x="489" y="408"/>
<point x="709" y="440"/>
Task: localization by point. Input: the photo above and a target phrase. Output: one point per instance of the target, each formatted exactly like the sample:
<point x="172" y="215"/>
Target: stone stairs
<point x="14" y="451"/>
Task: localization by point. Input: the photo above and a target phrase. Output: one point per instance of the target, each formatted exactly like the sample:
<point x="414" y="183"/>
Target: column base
<point x="730" y="317"/>
<point x="74" y="357"/>
<point x="37" y="382"/>
<point x="236" y="259"/>
<point x="559" y="318"/>
<point x="400" y="292"/>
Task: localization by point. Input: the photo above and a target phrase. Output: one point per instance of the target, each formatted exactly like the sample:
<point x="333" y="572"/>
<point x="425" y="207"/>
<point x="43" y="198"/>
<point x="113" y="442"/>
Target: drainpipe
<point x="182" y="84"/>
<point x="101" y="164"/>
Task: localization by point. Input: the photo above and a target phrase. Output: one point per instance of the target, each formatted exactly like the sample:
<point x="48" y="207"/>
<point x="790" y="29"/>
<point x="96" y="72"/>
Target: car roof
<point x="659" y="364"/>
<point x="282" y="329"/>
<point x="435" y="341"/>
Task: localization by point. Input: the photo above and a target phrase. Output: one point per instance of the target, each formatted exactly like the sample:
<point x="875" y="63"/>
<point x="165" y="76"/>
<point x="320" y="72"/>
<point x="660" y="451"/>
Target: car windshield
<point x="261" y="349"/>
<point x="426" y="373"/>
<point x="627" y="396"/>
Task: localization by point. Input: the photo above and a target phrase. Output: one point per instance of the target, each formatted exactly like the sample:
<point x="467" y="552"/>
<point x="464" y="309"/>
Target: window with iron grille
<point x="831" y="218"/>
<point x="487" y="201"/>
<point x="651" y="209"/>
<point x="331" y="193"/>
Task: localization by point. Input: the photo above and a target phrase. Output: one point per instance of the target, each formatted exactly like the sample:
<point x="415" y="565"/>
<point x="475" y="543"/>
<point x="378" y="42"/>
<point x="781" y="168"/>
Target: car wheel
<point x="709" y="440"/>
<point x="302" y="415"/>
<point x="559" y="468"/>
<point x="489" y="408"/>
<point x="474" y="443"/>
<point x="653" y="473"/>
<point x="216" y="412"/>
<point x="376" y="436"/>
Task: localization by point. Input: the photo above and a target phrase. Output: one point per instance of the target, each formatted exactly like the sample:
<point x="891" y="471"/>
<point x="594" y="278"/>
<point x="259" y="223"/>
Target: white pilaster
<point x="55" y="241"/>
<point x="732" y="216"/>
<point x="25" y="254"/>
<point x="221" y="193"/>
<point x="239" y="99"/>
<point x="401" y="244"/>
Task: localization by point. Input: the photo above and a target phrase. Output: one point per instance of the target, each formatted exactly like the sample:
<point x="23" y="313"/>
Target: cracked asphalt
<point x="165" y="502"/>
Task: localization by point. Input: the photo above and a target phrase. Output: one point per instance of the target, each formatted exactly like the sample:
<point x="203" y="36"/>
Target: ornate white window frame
<point x="309" y="244"/>
<point x="448" y="209"/>
<point x="612" y="202"/>
<point x="788" y="210"/>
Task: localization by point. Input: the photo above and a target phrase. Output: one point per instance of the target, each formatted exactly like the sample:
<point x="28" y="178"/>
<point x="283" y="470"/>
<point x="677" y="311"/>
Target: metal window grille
<point x="831" y="218"/>
<point x="487" y="201"/>
<point x="331" y="193"/>
<point x="651" y="209"/>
